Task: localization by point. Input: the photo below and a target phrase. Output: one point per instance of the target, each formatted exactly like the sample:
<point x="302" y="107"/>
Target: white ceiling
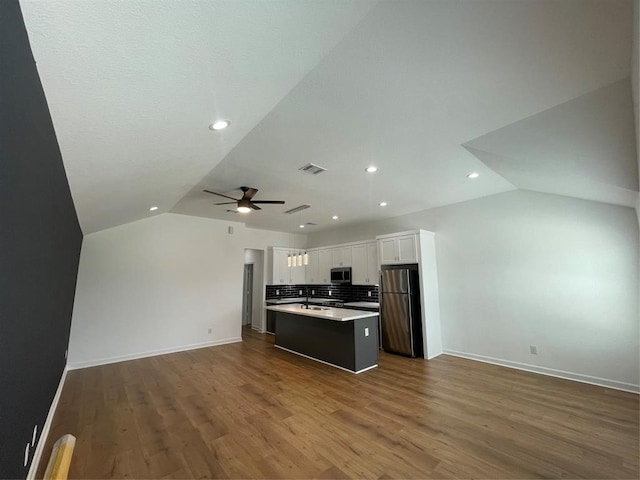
<point x="132" y="87"/>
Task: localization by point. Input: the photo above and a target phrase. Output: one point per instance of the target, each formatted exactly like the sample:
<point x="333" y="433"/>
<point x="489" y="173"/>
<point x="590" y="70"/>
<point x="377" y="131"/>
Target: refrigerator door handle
<point x="411" y="326"/>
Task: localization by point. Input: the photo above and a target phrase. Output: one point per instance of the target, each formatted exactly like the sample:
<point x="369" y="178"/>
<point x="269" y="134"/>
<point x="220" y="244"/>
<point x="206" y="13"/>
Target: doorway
<point x="247" y="295"/>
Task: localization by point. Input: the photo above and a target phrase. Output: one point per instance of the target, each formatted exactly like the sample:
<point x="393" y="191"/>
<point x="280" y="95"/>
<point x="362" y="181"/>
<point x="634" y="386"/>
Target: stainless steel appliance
<point x="341" y="275"/>
<point x="400" y="316"/>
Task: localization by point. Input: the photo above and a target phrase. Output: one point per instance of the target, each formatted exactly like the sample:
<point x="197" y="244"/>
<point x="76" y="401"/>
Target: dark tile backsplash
<point x="345" y="293"/>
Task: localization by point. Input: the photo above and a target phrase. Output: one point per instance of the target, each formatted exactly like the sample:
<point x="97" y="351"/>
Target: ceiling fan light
<point x="243" y="209"/>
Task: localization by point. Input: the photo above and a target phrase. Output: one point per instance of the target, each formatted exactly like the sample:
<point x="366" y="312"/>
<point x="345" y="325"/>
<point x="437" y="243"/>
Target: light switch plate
<point x="366" y="331"/>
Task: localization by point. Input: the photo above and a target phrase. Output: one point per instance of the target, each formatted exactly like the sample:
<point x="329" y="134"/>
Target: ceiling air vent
<point x="311" y="224"/>
<point x="312" y="169"/>
<point x="297" y="209"/>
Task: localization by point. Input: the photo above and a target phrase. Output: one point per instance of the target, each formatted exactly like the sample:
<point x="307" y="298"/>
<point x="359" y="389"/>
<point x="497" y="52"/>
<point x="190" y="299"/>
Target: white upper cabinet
<point x="341" y="257"/>
<point x="359" y="270"/>
<point x="373" y="267"/>
<point x="297" y="275"/>
<point x="282" y="274"/>
<point x="387" y="249"/>
<point x="364" y="264"/>
<point x="398" y="249"/>
<point x="324" y="265"/>
<point x="313" y="268"/>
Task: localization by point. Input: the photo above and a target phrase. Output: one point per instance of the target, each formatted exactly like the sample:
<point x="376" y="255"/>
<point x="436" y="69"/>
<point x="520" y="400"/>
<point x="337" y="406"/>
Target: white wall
<point x="159" y="284"/>
<point x="524" y="268"/>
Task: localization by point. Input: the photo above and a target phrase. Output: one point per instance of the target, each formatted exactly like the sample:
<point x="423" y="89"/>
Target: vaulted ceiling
<point x="529" y="94"/>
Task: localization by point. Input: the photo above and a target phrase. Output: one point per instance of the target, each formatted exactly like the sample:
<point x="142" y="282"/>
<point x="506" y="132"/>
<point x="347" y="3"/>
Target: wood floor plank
<point x="249" y="410"/>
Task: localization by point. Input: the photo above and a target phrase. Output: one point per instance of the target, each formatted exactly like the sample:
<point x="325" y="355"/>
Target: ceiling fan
<point x="245" y="204"/>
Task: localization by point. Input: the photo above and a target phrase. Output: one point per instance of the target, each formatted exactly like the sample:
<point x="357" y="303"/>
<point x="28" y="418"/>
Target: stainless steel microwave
<point x="341" y="275"/>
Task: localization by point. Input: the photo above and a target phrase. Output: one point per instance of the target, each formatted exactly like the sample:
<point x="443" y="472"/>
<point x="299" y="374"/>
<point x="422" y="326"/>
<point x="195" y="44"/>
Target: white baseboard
<point x="577" y="377"/>
<point x="44" y="433"/>
<point x="150" y="353"/>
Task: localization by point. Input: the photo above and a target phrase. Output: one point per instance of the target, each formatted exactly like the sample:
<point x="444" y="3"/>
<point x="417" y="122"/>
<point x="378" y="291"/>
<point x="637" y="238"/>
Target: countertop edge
<point x="344" y="314"/>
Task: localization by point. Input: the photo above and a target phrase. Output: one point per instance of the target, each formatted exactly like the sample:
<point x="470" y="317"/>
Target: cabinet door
<point x="313" y="268"/>
<point x="346" y="256"/>
<point x="372" y="264"/>
<point x="324" y="266"/>
<point x="336" y="257"/>
<point x="387" y="250"/>
<point x="359" y="265"/>
<point x="298" y="275"/>
<point x="407" y="249"/>
<point x="280" y="269"/>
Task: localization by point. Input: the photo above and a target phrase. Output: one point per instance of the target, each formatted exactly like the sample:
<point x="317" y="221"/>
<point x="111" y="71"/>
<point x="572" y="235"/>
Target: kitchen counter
<point x="283" y="301"/>
<point x="328" y="313"/>
<point x="342" y="338"/>
<point x="363" y="304"/>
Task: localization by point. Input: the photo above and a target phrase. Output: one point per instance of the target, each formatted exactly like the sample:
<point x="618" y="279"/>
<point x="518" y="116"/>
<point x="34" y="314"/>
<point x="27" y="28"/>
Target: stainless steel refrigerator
<point x="400" y="317"/>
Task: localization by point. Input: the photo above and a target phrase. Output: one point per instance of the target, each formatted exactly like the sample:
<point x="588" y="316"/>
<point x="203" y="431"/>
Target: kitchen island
<point x="346" y="339"/>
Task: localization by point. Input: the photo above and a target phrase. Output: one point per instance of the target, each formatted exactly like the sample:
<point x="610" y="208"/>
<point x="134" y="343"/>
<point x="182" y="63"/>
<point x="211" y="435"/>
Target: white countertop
<point x="363" y="304"/>
<point x="279" y="301"/>
<point x="331" y="313"/>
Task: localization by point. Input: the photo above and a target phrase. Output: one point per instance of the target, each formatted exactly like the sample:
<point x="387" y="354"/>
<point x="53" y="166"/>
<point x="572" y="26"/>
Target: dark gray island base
<point x="349" y="342"/>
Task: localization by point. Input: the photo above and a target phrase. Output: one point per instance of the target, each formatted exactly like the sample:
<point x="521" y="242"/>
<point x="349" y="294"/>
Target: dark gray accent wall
<point x="40" y="241"/>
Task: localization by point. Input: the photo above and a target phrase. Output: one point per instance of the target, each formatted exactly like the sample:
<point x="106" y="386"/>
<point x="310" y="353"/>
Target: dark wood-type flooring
<point x="249" y="410"/>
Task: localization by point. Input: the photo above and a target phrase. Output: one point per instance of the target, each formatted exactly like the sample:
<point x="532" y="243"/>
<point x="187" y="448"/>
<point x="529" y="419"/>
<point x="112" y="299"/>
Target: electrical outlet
<point x="26" y="455"/>
<point x="329" y="292"/>
<point x="366" y="332"/>
<point x="299" y="292"/>
<point x="369" y="293"/>
<point x="35" y="432"/>
<point x="230" y="230"/>
<point x="277" y="292"/>
<point x="313" y="292"/>
<point x="210" y="330"/>
<point x="533" y="349"/>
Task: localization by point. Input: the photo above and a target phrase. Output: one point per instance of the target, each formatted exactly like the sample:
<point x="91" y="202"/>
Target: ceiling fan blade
<point x="226" y="203"/>
<point x="254" y="206"/>
<point x="249" y="192"/>
<point x="220" y="195"/>
<point x="278" y="202"/>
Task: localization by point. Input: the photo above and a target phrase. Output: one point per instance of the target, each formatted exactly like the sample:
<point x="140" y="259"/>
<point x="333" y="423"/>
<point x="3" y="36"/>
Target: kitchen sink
<point x="312" y="307"/>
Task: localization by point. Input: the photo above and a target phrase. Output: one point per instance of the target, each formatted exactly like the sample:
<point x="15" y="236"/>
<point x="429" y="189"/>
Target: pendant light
<point x="289" y="260"/>
<point x="299" y="258"/>
<point x="305" y="258"/>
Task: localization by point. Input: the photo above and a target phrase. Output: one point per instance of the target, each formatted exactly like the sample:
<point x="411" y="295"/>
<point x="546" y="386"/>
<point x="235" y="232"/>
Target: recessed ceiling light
<point x="382" y="204"/>
<point x="219" y="125"/>
<point x="473" y="175"/>
<point x="301" y="226"/>
<point x="243" y="209"/>
<point x="371" y="169"/>
<point x="335" y="217"/>
<point x="153" y="209"/>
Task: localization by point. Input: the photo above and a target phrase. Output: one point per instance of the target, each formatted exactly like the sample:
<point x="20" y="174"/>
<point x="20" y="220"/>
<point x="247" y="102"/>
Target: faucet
<point x="306" y="302"/>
